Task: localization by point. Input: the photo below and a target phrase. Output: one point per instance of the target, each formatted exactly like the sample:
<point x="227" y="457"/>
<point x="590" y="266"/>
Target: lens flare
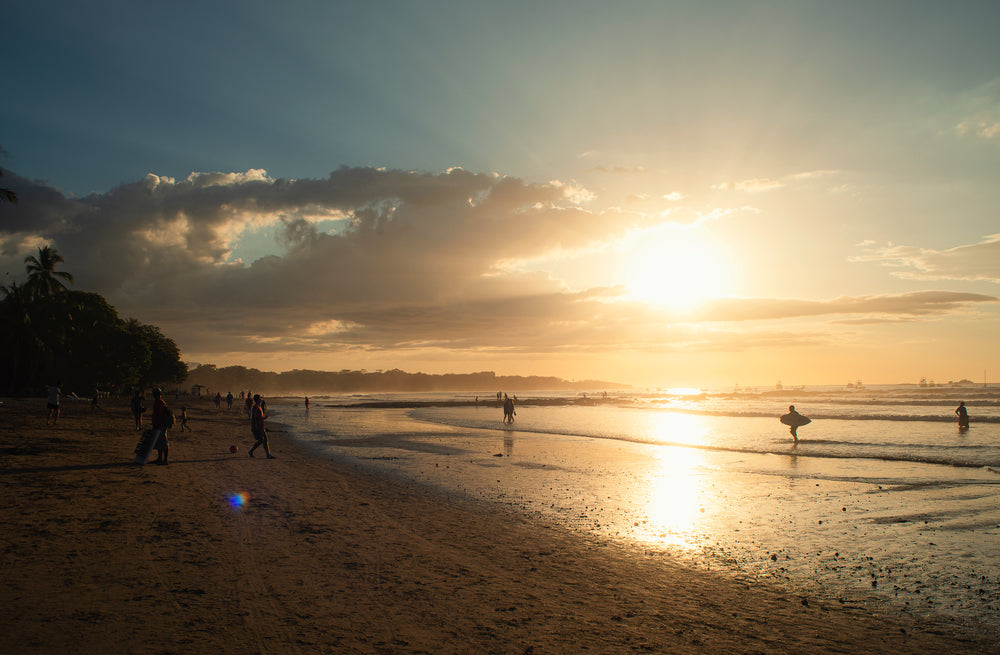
<point x="238" y="499"/>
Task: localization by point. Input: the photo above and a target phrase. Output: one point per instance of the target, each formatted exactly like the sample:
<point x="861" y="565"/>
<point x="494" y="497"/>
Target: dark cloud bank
<point x="371" y="259"/>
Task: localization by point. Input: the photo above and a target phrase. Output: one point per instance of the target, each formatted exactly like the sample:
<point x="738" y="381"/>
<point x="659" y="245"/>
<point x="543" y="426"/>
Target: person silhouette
<point x="963" y="415"/>
<point x="258" y="413"/>
<point x="52" y="403"/>
<point x="138" y="406"/>
<point x="508" y="409"/>
<point x="794" y="428"/>
<point x="160" y="424"/>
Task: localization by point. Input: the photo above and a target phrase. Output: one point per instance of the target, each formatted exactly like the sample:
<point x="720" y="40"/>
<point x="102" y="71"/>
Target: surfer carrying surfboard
<point x="794" y="421"/>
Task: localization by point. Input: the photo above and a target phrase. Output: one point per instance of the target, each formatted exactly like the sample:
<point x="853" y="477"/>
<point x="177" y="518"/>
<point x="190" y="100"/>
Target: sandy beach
<point x="101" y="555"/>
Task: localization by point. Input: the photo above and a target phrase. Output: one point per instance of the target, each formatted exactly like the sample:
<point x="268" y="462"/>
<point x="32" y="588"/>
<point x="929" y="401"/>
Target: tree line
<point x="50" y="333"/>
<point x="236" y="378"/>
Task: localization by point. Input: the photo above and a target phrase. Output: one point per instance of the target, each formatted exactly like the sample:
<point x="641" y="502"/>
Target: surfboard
<point x="795" y="420"/>
<point x="144" y="448"/>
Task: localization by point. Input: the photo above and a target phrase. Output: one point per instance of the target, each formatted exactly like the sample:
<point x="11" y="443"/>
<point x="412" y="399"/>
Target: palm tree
<point x="43" y="278"/>
<point x="6" y="195"/>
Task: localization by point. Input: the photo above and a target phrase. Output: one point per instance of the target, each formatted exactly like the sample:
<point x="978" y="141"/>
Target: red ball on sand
<point x="233" y="449"/>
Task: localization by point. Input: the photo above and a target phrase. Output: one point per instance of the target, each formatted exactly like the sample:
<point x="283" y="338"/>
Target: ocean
<point x="883" y="500"/>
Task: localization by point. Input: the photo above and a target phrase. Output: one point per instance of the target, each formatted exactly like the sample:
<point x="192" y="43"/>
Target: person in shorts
<point x="138" y="406"/>
<point x="52" y="404"/>
<point x="257" y="416"/>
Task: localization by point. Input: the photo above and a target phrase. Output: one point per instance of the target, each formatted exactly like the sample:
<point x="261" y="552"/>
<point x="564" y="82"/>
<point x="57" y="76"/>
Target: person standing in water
<point x="963" y="415"/>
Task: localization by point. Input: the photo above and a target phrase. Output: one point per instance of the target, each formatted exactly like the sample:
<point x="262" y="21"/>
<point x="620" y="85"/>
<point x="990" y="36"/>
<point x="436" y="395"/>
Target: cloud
<point x="915" y="304"/>
<point x="977" y="261"/>
<point x="756" y="185"/>
<point x="598" y="319"/>
<point x="618" y="170"/>
<point x="980" y="112"/>
<point x="987" y="127"/>
<point x="409" y="244"/>
<point x="415" y="261"/>
<point x="764" y="184"/>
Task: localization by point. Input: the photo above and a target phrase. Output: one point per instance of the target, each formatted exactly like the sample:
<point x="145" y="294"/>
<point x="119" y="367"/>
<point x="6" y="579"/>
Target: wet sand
<point x="103" y="556"/>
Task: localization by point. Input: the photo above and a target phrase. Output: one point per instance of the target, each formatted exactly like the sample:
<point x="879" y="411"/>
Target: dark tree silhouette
<point x="19" y="342"/>
<point x="6" y="195"/>
<point x="43" y="279"/>
<point x="165" y="363"/>
<point x="50" y="333"/>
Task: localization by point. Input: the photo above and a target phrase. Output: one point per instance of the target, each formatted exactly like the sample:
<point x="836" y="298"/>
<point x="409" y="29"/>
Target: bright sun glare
<point x="676" y="271"/>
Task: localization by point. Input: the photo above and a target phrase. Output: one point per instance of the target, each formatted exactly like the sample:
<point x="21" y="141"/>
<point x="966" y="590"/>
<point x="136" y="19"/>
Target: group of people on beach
<point x="217" y="399"/>
<point x="162" y="420"/>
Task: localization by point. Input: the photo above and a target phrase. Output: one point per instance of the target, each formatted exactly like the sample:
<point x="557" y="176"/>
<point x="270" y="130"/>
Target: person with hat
<point x="257" y="416"/>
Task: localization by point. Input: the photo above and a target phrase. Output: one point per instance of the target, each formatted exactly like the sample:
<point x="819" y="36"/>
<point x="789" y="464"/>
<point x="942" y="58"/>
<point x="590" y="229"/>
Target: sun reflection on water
<point x="672" y="427"/>
<point x="673" y="505"/>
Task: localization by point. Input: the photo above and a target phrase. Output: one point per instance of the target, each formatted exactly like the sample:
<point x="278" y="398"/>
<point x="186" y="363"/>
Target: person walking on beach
<point x="162" y="421"/>
<point x="184" y="420"/>
<point x="963" y="416"/>
<point x="257" y="416"/>
<point x="508" y="409"/>
<point x="52" y="403"/>
<point x="138" y="406"/>
<point x="229" y="401"/>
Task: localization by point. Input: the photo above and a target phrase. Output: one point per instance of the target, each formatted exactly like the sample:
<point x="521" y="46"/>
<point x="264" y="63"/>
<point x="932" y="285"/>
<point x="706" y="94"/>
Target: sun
<point x="676" y="270"/>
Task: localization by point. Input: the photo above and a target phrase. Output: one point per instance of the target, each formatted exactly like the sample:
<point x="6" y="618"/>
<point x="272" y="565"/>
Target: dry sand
<point x="103" y="556"/>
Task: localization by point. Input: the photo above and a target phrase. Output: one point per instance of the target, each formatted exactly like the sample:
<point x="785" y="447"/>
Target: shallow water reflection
<point x="826" y="518"/>
<point x="687" y="429"/>
<point x="673" y="498"/>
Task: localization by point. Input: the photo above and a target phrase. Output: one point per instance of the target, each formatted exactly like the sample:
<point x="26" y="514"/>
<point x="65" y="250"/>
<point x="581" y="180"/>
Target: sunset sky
<point x="652" y="193"/>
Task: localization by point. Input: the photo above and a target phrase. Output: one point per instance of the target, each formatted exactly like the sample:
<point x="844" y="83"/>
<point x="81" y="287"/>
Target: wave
<point x="972" y="456"/>
<point x="829" y="414"/>
<point x="737" y="413"/>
